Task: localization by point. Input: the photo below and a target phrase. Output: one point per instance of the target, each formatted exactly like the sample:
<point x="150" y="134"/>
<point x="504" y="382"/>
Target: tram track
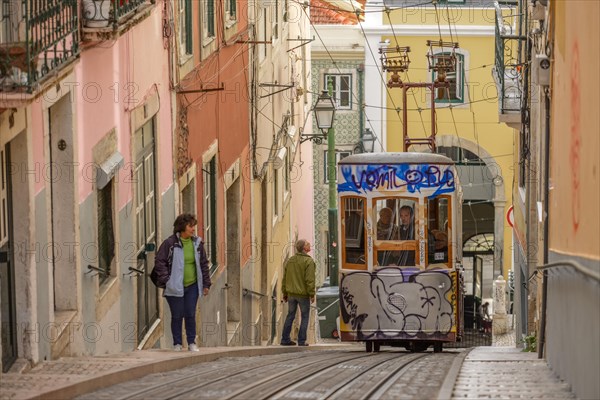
<point x="330" y="374"/>
<point x="205" y="371"/>
<point x="253" y="390"/>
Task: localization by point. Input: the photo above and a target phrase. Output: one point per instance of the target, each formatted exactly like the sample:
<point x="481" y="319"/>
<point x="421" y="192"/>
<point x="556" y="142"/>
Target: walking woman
<point x="181" y="268"/>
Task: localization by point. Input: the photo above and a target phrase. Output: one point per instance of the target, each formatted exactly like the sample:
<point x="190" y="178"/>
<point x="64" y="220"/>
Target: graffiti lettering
<point x="412" y="178"/>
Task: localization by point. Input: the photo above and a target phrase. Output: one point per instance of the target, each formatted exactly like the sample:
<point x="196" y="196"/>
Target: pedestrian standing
<point x="298" y="288"/>
<point x="181" y="268"/>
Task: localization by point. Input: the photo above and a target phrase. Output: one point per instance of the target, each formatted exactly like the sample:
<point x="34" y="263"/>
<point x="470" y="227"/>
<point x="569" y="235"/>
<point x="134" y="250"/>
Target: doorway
<point x="145" y="217"/>
<point x="234" y="301"/>
<point x="7" y="268"/>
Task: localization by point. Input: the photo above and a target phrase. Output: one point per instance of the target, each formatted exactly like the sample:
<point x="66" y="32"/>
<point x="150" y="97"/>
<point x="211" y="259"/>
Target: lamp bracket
<point x="275" y="85"/>
<point x="303" y="42"/>
<point x="317" y="139"/>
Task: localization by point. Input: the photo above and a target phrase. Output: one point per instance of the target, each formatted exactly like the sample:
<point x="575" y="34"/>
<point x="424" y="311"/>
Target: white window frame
<point x="275" y="26"/>
<point x="208" y="217"/>
<point x="337" y="90"/>
<point x="460" y="78"/>
<point x="230" y="17"/>
<point x="207" y="36"/>
<point x="262" y="34"/>
<point x="183" y="38"/>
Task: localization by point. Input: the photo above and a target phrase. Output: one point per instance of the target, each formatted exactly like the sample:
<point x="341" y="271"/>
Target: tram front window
<point x="438" y="230"/>
<point x="354" y="232"/>
<point x="396" y="228"/>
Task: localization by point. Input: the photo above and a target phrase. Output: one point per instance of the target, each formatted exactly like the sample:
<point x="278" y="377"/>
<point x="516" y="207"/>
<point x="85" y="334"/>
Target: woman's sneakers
<point x="193" y="347"/>
<point x="177" y="347"/>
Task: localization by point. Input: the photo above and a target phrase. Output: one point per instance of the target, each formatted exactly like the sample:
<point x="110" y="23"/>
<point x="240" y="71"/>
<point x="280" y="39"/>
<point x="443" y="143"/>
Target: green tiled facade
<point x="347" y="136"/>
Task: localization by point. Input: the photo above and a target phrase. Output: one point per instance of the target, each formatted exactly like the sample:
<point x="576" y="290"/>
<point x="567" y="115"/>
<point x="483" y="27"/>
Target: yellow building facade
<point x="466" y="114"/>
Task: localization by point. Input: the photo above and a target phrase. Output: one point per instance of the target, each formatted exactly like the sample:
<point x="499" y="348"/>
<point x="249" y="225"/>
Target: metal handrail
<point x="246" y="292"/>
<point x="575" y="265"/>
<point x="544" y="268"/>
<point x="332" y="303"/>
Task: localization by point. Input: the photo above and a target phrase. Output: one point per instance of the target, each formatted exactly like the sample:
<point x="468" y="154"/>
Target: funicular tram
<point x="400" y="249"/>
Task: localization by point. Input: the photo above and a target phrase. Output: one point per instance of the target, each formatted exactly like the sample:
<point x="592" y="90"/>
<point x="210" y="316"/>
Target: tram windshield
<point x="438" y="229"/>
<point x="354" y="233"/>
<point x="396" y="230"/>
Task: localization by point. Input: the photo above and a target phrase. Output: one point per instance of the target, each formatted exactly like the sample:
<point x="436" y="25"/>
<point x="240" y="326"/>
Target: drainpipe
<point x="542" y="340"/>
<point x="361" y="100"/>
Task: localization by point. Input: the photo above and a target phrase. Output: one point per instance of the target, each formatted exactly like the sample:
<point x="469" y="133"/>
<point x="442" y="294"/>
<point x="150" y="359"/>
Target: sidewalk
<point x="67" y="377"/>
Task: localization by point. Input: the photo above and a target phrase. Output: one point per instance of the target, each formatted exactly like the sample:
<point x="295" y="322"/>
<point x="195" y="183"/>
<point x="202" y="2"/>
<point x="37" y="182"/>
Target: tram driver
<point x="407" y="232"/>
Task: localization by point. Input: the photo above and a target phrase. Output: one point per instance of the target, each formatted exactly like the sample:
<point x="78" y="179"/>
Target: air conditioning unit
<point x="541" y="70"/>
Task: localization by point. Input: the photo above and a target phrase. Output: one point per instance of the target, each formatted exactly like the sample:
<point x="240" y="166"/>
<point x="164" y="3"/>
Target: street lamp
<point x="324" y="110"/>
<point x="368" y="141"/>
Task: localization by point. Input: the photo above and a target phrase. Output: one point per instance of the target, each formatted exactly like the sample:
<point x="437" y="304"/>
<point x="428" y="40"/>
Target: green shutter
<point x="210" y="24"/>
<point x="188" y="27"/>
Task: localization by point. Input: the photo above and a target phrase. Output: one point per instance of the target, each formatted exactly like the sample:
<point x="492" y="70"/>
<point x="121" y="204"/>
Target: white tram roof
<point x="396" y="158"/>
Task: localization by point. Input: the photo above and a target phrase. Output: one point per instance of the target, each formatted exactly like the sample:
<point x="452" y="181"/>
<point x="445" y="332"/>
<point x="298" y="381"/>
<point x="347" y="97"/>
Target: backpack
<point x="154" y="273"/>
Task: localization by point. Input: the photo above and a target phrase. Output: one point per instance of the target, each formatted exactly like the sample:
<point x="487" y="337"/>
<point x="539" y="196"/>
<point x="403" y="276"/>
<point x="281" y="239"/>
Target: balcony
<point x="38" y="39"/>
<point x="107" y="19"/>
<point x="508" y="71"/>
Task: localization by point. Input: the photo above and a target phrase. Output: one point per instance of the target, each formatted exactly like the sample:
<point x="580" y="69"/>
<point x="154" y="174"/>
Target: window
<point x="455" y="93"/>
<point x="397" y="230"/>
<point x="230" y="11"/>
<point x="340" y="85"/>
<point x="438" y="230"/>
<point x="275" y="32"/>
<point x="188" y="198"/>
<point x="286" y="10"/>
<point x="275" y="193"/>
<point x="339" y="154"/>
<point x="185" y="26"/>
<point x="286" y="171"/>
<point x="208" y="18"/>
<point x="106" y="236"/>
<point x="353" y="232"/>
<point x="262" y="34"/>
<point x="460" y="156"/>
<point x="209" y="210"/>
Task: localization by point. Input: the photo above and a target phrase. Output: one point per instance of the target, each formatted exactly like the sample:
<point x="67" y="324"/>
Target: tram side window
<point x="354" y="230"/>
<point x="438" y="230"/>
<point x="396" y="232"/>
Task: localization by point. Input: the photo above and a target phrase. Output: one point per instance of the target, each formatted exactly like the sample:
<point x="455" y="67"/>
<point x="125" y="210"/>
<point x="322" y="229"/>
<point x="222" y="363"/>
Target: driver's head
<point x="406" y="214"/>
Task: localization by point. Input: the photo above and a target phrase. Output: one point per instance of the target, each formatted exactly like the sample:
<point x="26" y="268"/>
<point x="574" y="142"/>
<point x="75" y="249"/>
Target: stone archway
<point x="494" y="174"/>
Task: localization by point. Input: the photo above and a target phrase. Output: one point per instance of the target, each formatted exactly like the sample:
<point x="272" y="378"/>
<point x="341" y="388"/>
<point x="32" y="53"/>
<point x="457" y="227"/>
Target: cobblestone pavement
<point x="507" y="373"/>
<point x="498" y="372"/>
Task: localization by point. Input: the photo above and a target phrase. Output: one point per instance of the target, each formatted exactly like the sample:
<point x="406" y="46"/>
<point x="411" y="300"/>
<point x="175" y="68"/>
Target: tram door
<point x="145" y="216"/>
<point x="7" y="272"/>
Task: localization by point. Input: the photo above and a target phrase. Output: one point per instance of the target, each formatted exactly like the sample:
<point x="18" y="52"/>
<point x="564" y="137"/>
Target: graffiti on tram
<point x="438" y="179"/>
<point x="389" y="310"/>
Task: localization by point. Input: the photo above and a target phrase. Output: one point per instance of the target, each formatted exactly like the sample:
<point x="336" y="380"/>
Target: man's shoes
<point x="177" y="347"/>
<point x="193" y="347"/>
<point x="290" y="343"/>
<point x="302" y="344"/>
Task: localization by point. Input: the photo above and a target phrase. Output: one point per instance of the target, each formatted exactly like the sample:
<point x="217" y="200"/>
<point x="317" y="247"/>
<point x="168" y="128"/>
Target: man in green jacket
<point x="298" y="287"/>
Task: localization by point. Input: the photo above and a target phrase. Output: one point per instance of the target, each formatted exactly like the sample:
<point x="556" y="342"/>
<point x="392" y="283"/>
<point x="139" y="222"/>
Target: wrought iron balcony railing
<point x="508" y="70"/>
<point x="110" y="13"/>
<point x="37" y="38"/>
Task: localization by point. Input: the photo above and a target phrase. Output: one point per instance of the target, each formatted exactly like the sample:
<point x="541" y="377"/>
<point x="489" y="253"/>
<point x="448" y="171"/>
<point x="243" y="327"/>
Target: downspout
<point x="361" y="100"/>
<point x="542" y="340"/>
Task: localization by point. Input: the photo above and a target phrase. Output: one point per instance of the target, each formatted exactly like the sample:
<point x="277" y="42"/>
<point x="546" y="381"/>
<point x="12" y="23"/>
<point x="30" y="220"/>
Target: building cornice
<point x="430" y="30"/>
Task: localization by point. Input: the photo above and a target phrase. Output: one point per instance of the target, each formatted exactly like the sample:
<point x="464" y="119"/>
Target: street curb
<point x="447" y="386"/>
<point x="128" y="373"/>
